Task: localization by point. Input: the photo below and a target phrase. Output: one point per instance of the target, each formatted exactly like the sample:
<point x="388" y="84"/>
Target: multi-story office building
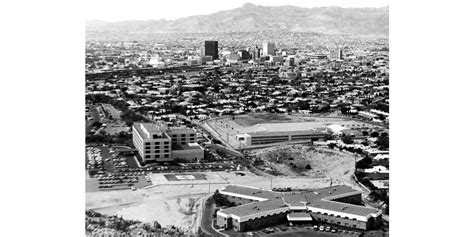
<point x="181" y="135"/>
<point x="244" y="54"/>
<point x="151" y="141"/>
<point x="162" y="143"/>
<point x="211" y="49"/>
<point x="268" y="48"/>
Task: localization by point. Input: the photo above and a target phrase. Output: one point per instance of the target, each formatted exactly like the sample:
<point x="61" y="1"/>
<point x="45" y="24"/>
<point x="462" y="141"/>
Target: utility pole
<point x="271" y="183"/>
<point x="209" y="186"/>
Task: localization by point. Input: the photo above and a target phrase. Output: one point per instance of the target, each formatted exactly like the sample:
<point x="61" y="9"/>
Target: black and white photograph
<point x="274" y="118"/>
<point x="256" y="120"/>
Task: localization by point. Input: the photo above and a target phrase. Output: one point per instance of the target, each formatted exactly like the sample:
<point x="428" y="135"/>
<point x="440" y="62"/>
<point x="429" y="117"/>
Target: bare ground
<point x="291" y="160"/>
<point x="179" y="204"/>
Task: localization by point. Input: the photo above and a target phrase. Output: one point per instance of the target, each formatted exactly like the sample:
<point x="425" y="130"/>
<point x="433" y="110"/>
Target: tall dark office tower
<point x="210" y="49"/>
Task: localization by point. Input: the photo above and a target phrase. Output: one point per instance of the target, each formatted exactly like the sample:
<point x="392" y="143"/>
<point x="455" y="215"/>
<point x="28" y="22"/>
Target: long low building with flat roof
<point x="268" y="133"/>
<point x="258" y="208"/>
<point x="268" y="137"/>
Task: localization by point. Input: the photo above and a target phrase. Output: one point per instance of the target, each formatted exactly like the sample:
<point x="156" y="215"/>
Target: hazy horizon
<point x="143" y="10"/>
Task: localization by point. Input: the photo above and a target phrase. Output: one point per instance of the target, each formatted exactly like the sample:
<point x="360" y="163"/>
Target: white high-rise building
<point x="268" y="48"/>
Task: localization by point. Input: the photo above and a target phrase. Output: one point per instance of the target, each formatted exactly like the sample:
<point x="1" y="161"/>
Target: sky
<point x="121" y="10"/>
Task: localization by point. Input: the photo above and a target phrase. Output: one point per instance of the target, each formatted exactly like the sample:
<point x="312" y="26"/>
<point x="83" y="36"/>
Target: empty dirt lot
<point x="307" y="160"/>
<point x="178" y="202"/>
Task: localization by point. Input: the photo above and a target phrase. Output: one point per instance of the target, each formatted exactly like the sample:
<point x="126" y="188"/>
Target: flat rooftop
<point x="288" y="131"/>
<point x="253" y="192"/>
<point x="255" y="208"/>
<point x="150" y="127"/>
<point x="321" y="198"/>
<point x="192" y="146"/>
<point x="297" y="126"/>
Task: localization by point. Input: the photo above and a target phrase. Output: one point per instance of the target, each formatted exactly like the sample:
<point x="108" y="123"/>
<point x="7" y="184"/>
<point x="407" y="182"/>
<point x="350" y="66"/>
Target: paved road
<point x="206" y="219"/>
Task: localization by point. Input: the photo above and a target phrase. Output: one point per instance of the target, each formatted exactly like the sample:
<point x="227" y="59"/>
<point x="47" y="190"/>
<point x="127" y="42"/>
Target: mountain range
<point x="252" y="18"/>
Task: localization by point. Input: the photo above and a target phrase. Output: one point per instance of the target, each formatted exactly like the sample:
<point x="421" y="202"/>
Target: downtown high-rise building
<point x="336" y="54"/>
<point x="268" y="48"/>
<point x="210" y="49"/>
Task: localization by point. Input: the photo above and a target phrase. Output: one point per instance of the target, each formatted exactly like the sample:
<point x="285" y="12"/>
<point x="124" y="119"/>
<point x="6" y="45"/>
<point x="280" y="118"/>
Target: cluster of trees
<point x="221" y="200"/>
<point x="95" y="220"/>
<point x="347" y="139"/>
<point x="127" y="115"/>
<point x="381" y="195"/>
<point x="120" y="138"/>
<point x="350" y="149"/>
<point x="105" y="99"/>
<point x="383" y="142"/>
<point x="364" y="163"/>
<point x="111" y="222"/>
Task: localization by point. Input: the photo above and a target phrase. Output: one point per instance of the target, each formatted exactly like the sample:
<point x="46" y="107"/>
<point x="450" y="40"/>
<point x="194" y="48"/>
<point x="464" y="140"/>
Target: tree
<point x="96" y="124"/>
<point x="383" y="142"/>
<point x="374" y="134"/>
<point x="156" y="225"/>
<point x="347" y="139"/>
<point x="308" y="167"/>
<point x="221" y="200"/>
<point x="364" y="163"/>
<point x="345" y="110"/>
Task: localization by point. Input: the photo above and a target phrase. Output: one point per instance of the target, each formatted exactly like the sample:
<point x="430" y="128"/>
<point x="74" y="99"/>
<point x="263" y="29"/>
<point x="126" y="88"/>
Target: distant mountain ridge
<point x="251" y="18"/>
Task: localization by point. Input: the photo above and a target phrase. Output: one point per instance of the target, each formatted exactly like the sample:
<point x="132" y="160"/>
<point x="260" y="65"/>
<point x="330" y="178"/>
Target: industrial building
<point x="258" y="208"/>
<point x="159" y="142"/>
<point x="273" y="133"/>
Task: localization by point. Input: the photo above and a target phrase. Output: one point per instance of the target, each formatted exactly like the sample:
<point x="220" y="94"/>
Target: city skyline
<point x="116" y="11"/>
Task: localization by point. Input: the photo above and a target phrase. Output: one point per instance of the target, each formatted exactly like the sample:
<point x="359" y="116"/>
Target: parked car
<point x="328" y="228"/>
<point x="321" y="228"/>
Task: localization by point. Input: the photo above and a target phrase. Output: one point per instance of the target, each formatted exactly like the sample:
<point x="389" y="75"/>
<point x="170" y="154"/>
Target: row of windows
<point x="165" y="151"/>
<point x="338" y="216"/>
<point x="183" y="135"/>
<point x="157" y="156"/>
<point x="157" y="147"/>
<point x="176" y="140"/>
<point x="157" y="143"/>
<point x="338" y="223"/>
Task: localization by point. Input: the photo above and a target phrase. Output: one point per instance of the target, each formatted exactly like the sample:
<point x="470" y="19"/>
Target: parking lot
<point x="303" y="230"/>
<point x="109" y="171"/>
<point x="109" y="168"/>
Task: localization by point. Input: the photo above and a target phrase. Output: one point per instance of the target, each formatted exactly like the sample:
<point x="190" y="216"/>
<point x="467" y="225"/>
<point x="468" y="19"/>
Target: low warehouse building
<point x="257" y="208"/>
